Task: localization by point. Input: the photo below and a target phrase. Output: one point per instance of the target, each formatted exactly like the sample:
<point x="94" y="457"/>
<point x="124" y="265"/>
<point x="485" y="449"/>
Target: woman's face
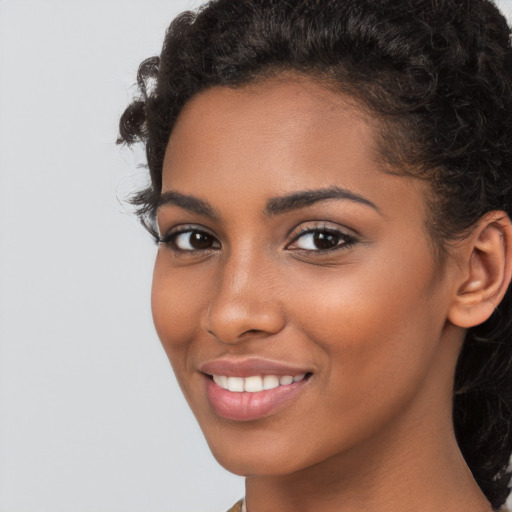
<point x="300" y="275"/>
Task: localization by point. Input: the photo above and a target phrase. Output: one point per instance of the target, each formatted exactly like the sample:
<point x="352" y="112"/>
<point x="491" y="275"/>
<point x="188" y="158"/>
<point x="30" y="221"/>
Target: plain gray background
<point x="91" y="418"/>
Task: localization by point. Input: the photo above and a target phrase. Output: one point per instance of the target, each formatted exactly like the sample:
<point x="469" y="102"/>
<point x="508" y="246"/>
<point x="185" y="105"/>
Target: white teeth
<point x="270" y="382"/>
<point x="254" y="383"/>
<point x="221" y="380"/>
<point x="236" y="384"/>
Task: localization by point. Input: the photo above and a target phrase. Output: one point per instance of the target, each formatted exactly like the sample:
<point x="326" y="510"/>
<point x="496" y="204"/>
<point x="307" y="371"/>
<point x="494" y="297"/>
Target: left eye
<point x="191" y="240"/>
<point x="321" y="240"/>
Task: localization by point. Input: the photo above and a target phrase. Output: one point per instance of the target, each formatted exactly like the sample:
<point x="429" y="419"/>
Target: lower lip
<point x="246" y="406"/>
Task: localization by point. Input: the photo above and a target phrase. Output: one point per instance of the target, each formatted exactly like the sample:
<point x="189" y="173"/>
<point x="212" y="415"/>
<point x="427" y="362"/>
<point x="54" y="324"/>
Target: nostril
<point x="232" y="323"/>
<point x="251" y="331"/>
<point x="242" y="336"/>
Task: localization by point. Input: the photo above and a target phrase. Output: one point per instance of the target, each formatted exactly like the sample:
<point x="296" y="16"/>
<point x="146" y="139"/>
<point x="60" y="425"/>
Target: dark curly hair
<point x="437" y="74"/>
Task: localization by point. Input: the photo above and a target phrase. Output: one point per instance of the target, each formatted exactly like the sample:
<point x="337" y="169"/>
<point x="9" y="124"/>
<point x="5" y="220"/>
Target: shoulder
<point x="237" y="507"/>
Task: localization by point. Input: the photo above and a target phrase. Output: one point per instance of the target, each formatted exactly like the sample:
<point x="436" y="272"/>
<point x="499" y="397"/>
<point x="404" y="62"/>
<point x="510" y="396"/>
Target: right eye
<point x="190" y="240"/>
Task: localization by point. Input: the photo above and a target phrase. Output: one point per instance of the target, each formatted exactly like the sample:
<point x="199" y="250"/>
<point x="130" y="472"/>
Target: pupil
<point x="200" y="241"/>
<point x="324" y="240"/>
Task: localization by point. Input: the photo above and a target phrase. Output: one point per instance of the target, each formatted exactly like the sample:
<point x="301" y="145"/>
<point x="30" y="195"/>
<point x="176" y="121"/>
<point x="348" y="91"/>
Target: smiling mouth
<point x="252" y="397"/>
<point x="255" y="383"/>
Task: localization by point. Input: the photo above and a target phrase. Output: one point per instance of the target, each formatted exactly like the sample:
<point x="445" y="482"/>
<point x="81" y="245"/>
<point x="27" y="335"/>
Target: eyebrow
<point x="274" y="206"/>
<point x="186" y="202"/>
<point x="304" y="198"/>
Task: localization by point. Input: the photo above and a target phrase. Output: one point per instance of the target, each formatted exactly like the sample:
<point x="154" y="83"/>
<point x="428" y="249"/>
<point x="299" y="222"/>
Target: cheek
<point x="377" y="326"/>
<point x="177" y="299"/>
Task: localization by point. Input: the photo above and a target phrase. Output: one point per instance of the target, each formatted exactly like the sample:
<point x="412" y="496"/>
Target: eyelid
<point x="182" y="228"/>
<point x="319" y="225"/>
<point x="175" y="231"/>
<point x="348" y="238"/>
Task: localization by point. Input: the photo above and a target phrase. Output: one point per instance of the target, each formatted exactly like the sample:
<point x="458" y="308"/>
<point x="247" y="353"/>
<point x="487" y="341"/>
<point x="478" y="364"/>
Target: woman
<point x="330" y="191"/>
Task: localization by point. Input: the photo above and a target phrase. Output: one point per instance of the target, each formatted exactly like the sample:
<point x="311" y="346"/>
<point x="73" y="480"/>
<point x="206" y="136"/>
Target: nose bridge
<point x="243" y="300"/>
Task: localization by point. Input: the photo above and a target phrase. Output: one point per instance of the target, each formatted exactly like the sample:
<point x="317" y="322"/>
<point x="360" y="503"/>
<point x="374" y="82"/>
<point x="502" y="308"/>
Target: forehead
<point x="277" y="119"/>
<point x="275" y="137"/>
<point x="288" y="100"/>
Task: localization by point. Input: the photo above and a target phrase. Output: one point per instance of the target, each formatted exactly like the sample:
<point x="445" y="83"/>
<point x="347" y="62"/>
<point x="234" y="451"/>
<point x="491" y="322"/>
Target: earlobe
<point x="487" y="269"/>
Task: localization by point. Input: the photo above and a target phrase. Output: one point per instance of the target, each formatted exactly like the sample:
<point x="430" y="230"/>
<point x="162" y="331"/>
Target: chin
<point x="250" y="454"/>
<point x="265" y="464"/>
<point x="261" y="451"/>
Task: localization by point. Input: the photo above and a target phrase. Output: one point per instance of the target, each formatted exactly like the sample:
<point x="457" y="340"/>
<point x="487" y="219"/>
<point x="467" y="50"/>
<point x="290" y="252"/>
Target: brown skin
<point x="379" y="323"/>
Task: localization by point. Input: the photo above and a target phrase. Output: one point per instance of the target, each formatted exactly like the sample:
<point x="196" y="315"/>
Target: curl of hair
<point x="437" y="74"/>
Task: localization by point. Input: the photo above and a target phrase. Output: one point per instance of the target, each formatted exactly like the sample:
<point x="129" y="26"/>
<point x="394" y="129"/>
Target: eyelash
<point x="345" y="240"/>
<point x="169" y="239"/>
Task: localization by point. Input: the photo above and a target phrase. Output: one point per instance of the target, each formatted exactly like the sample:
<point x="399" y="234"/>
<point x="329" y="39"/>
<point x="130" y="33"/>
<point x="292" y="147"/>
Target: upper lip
<point x="247" y="367"/>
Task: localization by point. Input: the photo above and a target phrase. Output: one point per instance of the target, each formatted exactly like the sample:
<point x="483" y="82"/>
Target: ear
<point x="486" y="265"/>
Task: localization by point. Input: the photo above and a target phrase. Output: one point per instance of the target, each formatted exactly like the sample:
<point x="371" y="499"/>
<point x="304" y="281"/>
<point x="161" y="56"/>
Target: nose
<point x="244" y="303"/>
